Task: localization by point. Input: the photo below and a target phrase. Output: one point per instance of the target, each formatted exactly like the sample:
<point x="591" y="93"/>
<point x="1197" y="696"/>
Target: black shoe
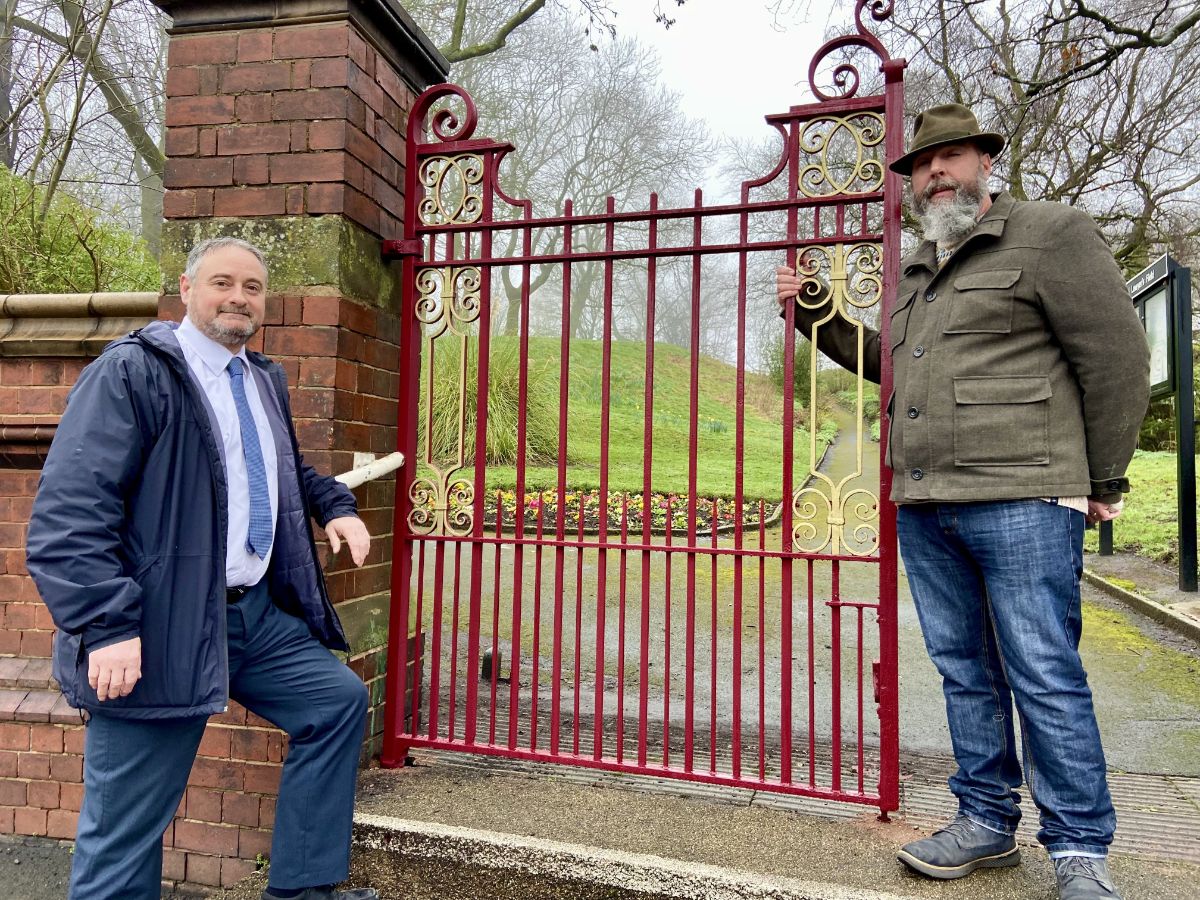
<point x="959" y="849"/>
<point x="1084" y="878"/>
<point x="326" y="892"/>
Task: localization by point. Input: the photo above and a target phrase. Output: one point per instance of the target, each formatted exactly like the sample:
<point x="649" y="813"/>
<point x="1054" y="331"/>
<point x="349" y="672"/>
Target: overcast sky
<point x="729" y="59"/>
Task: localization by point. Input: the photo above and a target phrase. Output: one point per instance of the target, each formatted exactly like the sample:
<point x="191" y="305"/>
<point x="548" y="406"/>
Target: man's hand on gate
<point x="351" y="530"/>
<point x="1103" y="512"/>
<point x="115" y="669"/>
<point x="787" y="285"/>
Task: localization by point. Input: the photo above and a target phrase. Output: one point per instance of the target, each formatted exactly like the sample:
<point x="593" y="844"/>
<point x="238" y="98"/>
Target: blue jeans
<point x="996" y="587"/>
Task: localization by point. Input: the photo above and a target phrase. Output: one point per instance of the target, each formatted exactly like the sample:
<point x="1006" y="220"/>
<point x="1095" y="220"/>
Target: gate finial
<point x="845" y="75"/>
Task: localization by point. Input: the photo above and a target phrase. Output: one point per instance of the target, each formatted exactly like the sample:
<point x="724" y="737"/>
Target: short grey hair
<point x="211" y="245"/>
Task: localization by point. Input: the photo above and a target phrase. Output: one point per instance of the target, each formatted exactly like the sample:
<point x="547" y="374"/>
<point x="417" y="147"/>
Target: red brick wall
<point x="291" y="120"/>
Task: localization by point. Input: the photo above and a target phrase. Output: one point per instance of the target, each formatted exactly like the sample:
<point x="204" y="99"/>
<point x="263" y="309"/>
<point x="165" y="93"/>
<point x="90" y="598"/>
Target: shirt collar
<point x="214" y="356"/>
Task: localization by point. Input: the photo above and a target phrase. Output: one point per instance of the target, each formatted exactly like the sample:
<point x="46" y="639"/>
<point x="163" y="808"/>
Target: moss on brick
<point x="365" y="621"/>
<point x="306" y="254"/>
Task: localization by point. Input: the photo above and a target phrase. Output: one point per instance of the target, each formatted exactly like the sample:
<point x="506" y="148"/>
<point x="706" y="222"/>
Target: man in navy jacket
<point x="171" y="540"/>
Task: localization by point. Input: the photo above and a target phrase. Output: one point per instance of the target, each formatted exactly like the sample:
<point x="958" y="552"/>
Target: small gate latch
<point x="393" y="250"/>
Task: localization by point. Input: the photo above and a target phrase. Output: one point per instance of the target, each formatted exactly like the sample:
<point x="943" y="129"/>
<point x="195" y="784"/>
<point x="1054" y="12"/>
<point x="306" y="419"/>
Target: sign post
<point x="1162" y="293"/>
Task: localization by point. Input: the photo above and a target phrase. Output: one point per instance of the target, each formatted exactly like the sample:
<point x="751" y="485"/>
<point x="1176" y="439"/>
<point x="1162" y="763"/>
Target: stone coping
<point x="70" y="325"/>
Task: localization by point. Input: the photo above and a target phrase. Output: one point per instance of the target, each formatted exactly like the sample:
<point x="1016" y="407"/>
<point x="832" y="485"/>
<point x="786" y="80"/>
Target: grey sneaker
<point x="959" y="849"/>
<point x="1084" y="878"/>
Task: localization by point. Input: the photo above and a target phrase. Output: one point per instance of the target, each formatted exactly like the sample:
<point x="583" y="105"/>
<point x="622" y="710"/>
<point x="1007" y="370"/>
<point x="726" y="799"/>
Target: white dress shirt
<point x="208" y="362"/>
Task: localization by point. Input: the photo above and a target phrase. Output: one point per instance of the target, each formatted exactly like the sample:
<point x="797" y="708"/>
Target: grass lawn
<point x="671" y="423"/>
<point x="1148" y="524"/>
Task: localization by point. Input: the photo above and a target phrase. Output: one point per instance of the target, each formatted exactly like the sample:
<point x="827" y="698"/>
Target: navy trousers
<point x="135" y="770"/>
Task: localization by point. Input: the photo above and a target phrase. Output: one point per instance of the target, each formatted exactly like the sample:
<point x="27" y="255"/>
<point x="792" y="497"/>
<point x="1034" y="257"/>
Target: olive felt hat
<point x="951" y="123"/>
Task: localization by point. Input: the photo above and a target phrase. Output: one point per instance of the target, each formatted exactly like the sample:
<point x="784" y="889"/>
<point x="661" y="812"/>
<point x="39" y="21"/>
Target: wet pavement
<point x="458" y="826"/>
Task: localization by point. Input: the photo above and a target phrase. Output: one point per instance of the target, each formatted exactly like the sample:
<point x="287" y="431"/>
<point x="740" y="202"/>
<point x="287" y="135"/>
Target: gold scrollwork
<point x="441" y="505"/>
<point x="848" y="155"/>
<point x="452" y="185"/>
<point x="844" y="275"/>
<point x="448" y="302"/>
<point x="835" y="516"/>
<point x="448" y="298"/>
<point x="840" y="523"/>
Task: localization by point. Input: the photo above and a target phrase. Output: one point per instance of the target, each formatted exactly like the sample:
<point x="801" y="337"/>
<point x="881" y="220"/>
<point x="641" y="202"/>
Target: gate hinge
<point x="392" y="250"/>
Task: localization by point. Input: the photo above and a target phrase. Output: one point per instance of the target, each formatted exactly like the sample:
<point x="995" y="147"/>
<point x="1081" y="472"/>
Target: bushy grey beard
<point x="949" y="223"/>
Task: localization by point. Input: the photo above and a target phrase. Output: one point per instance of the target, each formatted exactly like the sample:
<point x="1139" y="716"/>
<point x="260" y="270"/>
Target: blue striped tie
<point x="258" y="538"/>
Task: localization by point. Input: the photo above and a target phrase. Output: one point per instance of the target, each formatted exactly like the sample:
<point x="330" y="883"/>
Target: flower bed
<point x="625" y="511"/>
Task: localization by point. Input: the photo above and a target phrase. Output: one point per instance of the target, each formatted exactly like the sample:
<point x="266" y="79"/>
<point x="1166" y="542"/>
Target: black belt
<point x="234" y="594"/>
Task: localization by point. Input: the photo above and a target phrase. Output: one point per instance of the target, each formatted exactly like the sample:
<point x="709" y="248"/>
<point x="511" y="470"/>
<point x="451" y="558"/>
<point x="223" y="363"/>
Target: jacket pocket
<point x="983" y="302"/>
<point x="898" y="326"/>
<point x="1002" y="420"/>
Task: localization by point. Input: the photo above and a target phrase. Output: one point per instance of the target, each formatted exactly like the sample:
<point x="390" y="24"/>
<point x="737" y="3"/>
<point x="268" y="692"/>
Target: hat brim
<point x="989" y="142"/>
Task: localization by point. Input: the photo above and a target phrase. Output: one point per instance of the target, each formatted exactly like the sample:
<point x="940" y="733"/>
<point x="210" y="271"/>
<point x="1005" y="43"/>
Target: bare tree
<point x="1117" y="139"/>
<point x="587" y="126"/>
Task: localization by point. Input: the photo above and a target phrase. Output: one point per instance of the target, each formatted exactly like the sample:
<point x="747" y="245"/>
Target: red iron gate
<point x="575" y="600"/>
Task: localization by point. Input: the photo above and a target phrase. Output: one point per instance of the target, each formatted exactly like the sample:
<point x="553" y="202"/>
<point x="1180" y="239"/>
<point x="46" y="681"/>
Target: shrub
<point x="70" y="250"/>
<point x="541" y="423"/>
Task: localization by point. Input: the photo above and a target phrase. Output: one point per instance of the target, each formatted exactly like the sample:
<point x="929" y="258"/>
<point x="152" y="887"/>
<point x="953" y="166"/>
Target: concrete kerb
<point x="1162" y="614"/>
<point x="634" y="872"/>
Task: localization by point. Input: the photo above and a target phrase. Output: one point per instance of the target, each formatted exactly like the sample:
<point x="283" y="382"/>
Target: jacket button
<point x="930" y="296"/>
<point x="918" y="351"/>
<point x="913" y="412"/>
<point x="917" y="474"/>
<point x="1114" y="485"/>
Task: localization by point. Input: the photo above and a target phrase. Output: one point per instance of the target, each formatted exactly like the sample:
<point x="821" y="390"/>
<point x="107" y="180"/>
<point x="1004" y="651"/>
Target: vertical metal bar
<point x="647" y="489"/>
<point x="712" y="713"/>
<point x="537" y="621"/>
<point x="435" y="656"/>
<point x="693" y="461"/>
<point x="494" y="679"/>
<point x="1180" y="286"/>
<point x="861" y="735"/>
<point x="454" y="644"/>
<point x="835" y="641"/>
<point x="577" y="683"/>
<point x="762" y="642"/>
<point x="667" y="635"/>
<point x="478" y="528"/>
<point x="889" y="701"/>
<point x="812" y="675"/>
<point x="621" y="630"/>
<point x="739" y="493"/>
<point x="514" y="669"/>
<point x="564" y="376"/>
<point x="396" y="680"/>
<point x="605" y="415"/>
<point x="416" y="715"/>
<point x="785" y="563"/>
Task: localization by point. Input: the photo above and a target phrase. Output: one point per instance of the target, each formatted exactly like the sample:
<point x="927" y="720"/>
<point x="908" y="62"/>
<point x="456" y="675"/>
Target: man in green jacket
<point x="1021" y="376"/>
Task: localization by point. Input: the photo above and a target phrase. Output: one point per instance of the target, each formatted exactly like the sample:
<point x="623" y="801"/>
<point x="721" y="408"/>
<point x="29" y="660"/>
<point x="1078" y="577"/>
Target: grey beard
<point x="949" y="223"/>
<point x="224" y="335"/>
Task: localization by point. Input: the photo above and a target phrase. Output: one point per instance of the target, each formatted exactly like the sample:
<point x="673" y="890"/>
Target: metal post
<point x="1106" y="545"/>
<point x="1185" y="425"/>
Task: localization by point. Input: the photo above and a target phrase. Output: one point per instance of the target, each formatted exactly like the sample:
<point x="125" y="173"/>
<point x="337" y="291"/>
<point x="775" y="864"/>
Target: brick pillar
<point x="286" y="127"/>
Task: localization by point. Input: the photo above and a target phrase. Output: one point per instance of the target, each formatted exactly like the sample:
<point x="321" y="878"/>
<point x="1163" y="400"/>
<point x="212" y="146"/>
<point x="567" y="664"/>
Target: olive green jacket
<point x="1020" y="369"/>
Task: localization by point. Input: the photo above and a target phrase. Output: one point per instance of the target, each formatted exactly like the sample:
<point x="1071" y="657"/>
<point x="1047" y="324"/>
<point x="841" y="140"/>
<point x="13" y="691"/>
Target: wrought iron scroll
<point x="846" y="79"/>
<point x="839" y="279"/>
<point x="448" y="303"/>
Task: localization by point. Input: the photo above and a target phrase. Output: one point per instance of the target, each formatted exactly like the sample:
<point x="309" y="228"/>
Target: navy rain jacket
<point x="128" y="531"/>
